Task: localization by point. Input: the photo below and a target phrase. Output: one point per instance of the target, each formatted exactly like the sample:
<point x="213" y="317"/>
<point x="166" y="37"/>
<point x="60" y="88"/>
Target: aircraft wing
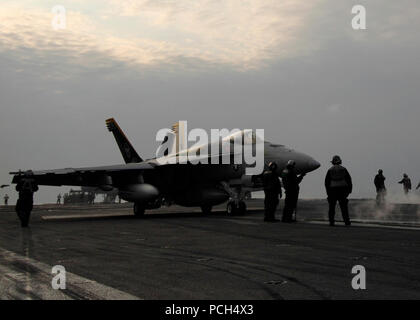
<point x="87" y="176"/>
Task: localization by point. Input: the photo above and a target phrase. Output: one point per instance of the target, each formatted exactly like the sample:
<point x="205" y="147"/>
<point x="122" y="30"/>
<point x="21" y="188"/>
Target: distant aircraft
<point x="149" y="184"/>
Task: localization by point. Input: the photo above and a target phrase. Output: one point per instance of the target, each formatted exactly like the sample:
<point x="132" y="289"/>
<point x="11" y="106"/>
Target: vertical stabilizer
<point x="180" y="130"/>
<point x="128" y="152"/>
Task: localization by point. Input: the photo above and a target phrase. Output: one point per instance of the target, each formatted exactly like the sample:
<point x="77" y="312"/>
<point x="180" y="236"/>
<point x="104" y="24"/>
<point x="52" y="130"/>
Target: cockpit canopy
<point x="246" y="137"/>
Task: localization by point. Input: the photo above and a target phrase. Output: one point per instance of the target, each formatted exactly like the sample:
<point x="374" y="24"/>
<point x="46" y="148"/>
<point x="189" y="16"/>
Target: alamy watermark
<point x="58" y="282"/>
<point x="59" y="20"/>
<point x="359" y="280"/>
<point x="222" y="146"/>
<point x="359" y="20"/>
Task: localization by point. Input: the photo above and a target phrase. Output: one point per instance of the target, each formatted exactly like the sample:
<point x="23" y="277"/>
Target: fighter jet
<point x="149" y="183"/>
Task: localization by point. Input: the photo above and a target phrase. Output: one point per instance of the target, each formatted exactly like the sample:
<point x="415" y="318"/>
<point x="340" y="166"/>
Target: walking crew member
<point x="26" y="188"/>
<point x="338" y="185"/>
<point x="406" y="182"/>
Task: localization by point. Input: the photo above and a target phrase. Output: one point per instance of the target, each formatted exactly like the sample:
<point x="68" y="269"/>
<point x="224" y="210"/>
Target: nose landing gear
<point x="236" y="204"/>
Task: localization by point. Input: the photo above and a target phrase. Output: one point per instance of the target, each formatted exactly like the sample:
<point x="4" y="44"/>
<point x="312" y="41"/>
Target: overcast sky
<point x="295" y="68"/>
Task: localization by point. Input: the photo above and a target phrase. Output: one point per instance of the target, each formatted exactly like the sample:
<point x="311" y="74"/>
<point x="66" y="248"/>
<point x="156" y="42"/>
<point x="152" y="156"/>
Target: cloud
<point x="236" y="33"/>
<point x="29" y="36"/>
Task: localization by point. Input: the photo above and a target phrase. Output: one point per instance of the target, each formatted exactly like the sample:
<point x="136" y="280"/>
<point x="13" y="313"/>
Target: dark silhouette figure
<point x="59" y="198"/>
<point x="26" y="188"/>
<point x="91" y="197"/>
<point x="406" y="182"/>
<point x="338" y="185"/>
<point x="379" y="182"/>
<point x="291" y="186"/>
<point x="6" y="199"/>
<point x="272" y="190"/>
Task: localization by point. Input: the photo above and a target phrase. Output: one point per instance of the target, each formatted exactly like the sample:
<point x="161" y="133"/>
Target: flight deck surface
<point x="179" y="253"/>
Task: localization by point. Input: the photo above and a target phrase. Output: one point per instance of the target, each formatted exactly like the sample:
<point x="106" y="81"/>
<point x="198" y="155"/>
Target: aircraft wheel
<point x="231" y="208"/>
<point x="206" y="209"/>
<point x="139" y="210"/>
<point x="242" y="207"/>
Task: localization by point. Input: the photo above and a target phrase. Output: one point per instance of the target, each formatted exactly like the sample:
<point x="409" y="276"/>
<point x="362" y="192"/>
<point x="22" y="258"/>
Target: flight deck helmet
<point x="272" y="166"/>
<point x="336" y="160"/>
<point x="290" y="164"/>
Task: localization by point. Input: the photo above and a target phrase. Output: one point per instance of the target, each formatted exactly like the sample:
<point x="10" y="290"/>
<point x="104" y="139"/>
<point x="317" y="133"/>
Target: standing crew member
<point x="272" y="190"/>
<point x="59" y="198"/>
<point x="291" y="186"/>
<point x="379" y="182"/>
<point x="26" y="188"/>
<point x="6" y="199"/>
<point x="91" y="196"/>
<point x="338" y="185"/>
<point x="406" y="182"/>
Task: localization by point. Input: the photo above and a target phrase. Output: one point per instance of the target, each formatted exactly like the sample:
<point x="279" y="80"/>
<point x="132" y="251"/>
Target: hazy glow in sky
<point x="238" y="33"/>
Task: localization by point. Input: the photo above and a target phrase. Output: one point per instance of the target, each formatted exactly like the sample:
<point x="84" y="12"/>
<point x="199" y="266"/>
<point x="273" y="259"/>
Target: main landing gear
<point x="140" y="207"/>
<point x="235" y="207"/>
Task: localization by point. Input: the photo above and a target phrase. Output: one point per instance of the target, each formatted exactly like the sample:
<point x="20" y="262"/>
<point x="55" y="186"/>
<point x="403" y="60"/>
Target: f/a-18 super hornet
<point x="151" y="183"/>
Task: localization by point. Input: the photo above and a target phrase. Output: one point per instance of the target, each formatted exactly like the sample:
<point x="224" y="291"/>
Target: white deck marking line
<point x="89" y="215"/>
<point x="25" y="278"/>
<point x="367" y="225"/>
<point x="117" y="214"/>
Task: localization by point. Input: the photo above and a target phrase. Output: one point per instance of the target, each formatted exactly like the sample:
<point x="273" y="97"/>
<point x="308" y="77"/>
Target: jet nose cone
<point x="313" y="165"/>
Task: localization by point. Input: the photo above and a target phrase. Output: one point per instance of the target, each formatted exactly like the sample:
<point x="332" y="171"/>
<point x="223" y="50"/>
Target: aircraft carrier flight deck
<point x="180" y="253"/>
